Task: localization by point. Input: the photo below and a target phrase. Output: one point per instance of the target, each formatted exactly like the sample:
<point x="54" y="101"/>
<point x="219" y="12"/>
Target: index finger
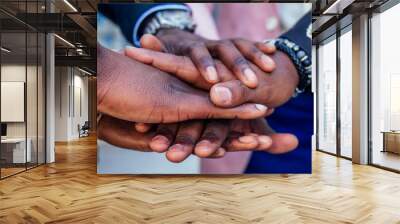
<point x="179" y="66"/>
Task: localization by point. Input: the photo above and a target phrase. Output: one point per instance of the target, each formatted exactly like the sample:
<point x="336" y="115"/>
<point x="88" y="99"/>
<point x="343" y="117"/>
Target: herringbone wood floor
<point x="70" y="191"/>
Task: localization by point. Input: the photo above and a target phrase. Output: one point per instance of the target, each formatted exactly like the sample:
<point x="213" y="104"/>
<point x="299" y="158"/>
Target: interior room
<point x="48" y="150"/>
<point x="26" y="94"/>
<point x="22" y="100"/>
<point x="334" y="107"/>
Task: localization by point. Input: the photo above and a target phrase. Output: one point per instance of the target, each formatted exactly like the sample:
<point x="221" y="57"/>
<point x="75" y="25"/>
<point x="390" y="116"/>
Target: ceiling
<point x="75" y="22"/>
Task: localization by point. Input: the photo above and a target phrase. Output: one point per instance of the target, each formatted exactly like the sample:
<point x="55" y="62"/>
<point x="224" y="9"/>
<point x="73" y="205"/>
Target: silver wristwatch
<point x="166" y="19"/>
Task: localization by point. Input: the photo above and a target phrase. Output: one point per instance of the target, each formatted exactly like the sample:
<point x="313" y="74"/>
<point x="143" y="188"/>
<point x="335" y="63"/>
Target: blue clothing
<point x="298" y="34"/>
<point x="130" y="17"/>
<point x="296" y="117"/>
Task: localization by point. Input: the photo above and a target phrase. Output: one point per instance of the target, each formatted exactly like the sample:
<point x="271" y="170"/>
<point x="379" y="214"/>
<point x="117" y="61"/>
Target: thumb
<point x="282" y="143"/>
<point x="151" y="42"/>
<point x="231" y="93"/>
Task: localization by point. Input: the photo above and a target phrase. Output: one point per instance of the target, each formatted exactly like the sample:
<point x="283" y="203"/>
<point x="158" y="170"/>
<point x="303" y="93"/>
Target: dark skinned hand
<point x="233" y="53"/>
<point x="206" y="139"/>
<point x="273" y="89"/>
<point x="133" y="91"/>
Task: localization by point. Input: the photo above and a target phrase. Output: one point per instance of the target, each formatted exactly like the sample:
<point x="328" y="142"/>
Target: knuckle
<point x="254" y="50"/>
<point x="240" y="62"/>
<point x="196" y="46"/>
<point x="239" y="41"/>
<point x="205" y="60"/>
<point x="223" y="45"/>
<point x="254" y="53"/>
<point x="227" y="43"/>
<point x="244" y="93"/>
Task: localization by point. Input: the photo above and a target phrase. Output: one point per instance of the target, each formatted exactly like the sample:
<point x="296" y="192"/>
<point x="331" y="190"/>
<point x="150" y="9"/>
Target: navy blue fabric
<point x="298" y="34"/>
<point x="296" y="117"/>
<point x="125" y="15"/>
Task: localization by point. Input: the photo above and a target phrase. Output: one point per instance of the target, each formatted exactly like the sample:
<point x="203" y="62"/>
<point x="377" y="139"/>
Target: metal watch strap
<point x="173" y="18"/>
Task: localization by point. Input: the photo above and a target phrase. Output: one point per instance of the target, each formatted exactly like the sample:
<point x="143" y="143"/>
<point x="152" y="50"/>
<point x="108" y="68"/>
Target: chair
<point x="84" y="130"/>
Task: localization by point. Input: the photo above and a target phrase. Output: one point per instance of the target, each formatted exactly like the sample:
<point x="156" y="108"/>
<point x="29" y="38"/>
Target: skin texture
<point x="133" y="91"/>
<point x="207" y="139"/>
<point x="233" y="53"/>
<point x="273" y="89"/>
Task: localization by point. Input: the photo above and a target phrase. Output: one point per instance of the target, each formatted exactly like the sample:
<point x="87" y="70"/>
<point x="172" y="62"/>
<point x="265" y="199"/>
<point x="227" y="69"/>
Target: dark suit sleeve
<point x="301" y="33"/>
<point x="129" y="17"/>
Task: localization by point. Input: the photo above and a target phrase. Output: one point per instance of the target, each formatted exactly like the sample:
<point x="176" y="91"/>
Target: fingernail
<point x="159" y="143"/>
<point x="261" y="107"/>
<point x="160" y="139"/>
<point x="202" y="148"/>
<point x="177" y="147"/>
<point x="270" y="45"/>
<point x="223" y="94"/>
<point x="142" y="127"/>
<point x="203" y="143"/>
<point x="265" y="140"/>
<point x="267" y="60"/>
<point x="212" y="74"/>
<point x="246" y="139"/>
<point x="250" y="75"/>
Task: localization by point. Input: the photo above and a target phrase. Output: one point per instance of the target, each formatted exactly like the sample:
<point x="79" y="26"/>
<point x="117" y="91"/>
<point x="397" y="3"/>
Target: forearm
<point x="103" y="76"/>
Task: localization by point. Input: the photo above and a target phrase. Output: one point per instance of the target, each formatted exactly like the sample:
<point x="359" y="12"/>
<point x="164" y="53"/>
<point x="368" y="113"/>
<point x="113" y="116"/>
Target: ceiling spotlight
<point x="70" y="5"/>
<point x="5" y="50"/>
<point x="84" y="71"/>
<point x="65" y="41"/>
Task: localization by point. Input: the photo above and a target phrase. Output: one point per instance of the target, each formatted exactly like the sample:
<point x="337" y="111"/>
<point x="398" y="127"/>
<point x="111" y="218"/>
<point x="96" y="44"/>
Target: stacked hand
<point x="181" y="83"/>
<point x="207" y="139"/>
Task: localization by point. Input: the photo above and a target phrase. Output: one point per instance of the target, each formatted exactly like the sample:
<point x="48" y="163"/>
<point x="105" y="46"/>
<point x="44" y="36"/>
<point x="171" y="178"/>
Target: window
<point x="346" y="74"/>
<point x="22" y="88"/>
<point x="385" y="89"/>
<point x="327" y="96"/>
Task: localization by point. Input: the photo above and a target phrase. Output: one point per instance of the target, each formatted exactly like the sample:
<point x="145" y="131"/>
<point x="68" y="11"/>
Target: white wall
<point x="33" y="126"/>
<point x="16" y="73"/>
<point x="70" y="83"/>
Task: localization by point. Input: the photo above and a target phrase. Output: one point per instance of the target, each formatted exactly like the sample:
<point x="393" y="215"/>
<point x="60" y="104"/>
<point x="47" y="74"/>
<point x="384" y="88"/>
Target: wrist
<point x="300" y="60"/>
<point x="290" y="71"/>
<point x="176" y="19"/>
<point x="178" y="34"/>
<point x="173" y="38"/>
<point x="282" y="82"/>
